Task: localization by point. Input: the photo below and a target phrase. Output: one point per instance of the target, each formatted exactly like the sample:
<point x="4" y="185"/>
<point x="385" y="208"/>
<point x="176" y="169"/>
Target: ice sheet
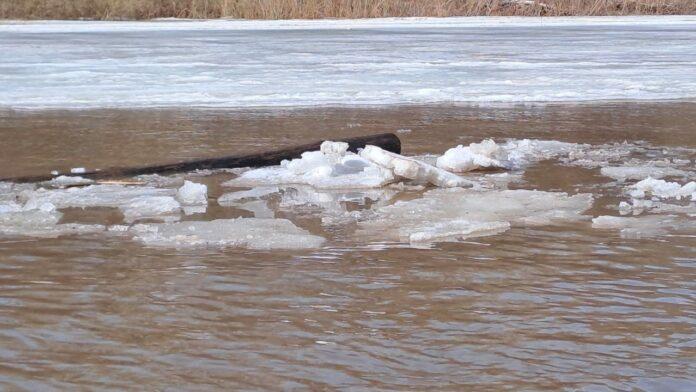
<point x="251" y="233"/>
<point x="345" y="62"/>
<point x="450" y="214"/>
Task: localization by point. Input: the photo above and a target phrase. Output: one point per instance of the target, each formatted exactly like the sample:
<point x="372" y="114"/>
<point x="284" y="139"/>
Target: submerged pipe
<point x="387" y="141"/>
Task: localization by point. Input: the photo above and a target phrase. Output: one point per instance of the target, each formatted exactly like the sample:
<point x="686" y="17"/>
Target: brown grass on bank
<point x="312" y="9"/>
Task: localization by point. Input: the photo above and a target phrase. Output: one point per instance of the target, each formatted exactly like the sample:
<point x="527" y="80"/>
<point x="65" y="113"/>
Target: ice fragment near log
<point x="413" y="169"/>
<point x="330" y="168"/>
<point x="484" y="155"/>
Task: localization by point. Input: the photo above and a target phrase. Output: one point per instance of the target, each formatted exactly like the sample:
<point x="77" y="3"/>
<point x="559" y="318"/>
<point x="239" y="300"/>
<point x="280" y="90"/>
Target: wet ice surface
<point x="395" y="198"/>
<point x="376" y="62"/>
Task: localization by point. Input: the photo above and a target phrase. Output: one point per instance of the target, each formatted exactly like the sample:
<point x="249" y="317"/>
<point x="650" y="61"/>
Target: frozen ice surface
<point x="662" y="189"/>
<point x="62" y="181"/>
<point x="623" y="173"/>
<point x="448" y="214"/>
<point x="251" y="233"/>
<point x="642" y="226"/>
<point x="484" y="155"/>
<point x="332" y="168"/>
<point x="345" y="62"/>
<point x="192" y="193"/>
<point x="413" y="169"/>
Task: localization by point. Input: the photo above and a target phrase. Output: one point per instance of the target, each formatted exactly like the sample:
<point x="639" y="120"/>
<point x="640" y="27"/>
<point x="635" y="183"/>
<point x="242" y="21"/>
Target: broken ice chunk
<point x="78" y="170"/>
<point x="663" y="189"/>
<point x="320" y="170"/>
<point x="413" y="169"/>
<point x="251" y="233"/>
<point x="484" y="155"/>
<point x="192" y="193"/>
<point x="63" y="181"/>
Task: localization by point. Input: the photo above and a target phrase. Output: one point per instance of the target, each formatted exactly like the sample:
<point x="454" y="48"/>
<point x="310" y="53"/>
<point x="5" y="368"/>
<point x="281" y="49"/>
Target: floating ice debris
<point x="331" y="168"/>
<point x="54" y="172"/>
<point x="623" y="173"/>
<point x="192" y="193"/>
<point x="413" y="169"/>
<point x="404" y="130"/>
<point x="484" y="155"/>
<point x="254" y="193"/>
<point x="63" y="181"/>
<point x="78" y="170"/>
<point x="447" y="214"/>
<point x="639" y="227"/>
<point x="526" y="151"/>
<point x="663" y="189"/>
<point x="252" y="233"/>
<point x="144" y="207"/>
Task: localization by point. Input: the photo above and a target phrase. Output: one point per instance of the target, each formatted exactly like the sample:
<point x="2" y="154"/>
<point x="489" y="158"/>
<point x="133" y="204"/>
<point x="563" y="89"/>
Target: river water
<point x="558" y="306"/>
<point x="567" y="304"/>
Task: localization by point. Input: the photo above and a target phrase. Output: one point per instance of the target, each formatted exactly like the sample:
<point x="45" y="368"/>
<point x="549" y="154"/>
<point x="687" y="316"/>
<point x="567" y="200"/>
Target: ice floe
<point x="42" y="223"/>
<point x="448" y="214"/>
<point x="250" y="233"/>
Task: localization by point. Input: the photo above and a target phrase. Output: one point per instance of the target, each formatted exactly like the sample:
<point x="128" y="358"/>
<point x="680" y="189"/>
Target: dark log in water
<point x="387" y="141"/>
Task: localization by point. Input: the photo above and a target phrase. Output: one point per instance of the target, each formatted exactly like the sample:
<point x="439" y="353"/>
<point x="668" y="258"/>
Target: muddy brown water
<point x="551" y="307"/>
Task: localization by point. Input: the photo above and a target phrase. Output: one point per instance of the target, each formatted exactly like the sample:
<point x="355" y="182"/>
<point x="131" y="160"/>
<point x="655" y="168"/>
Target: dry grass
<point x="311" y="9"/>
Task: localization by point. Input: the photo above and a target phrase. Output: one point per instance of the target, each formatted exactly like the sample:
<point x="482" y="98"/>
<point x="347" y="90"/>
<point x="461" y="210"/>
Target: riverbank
<point x="316" y="9"/>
